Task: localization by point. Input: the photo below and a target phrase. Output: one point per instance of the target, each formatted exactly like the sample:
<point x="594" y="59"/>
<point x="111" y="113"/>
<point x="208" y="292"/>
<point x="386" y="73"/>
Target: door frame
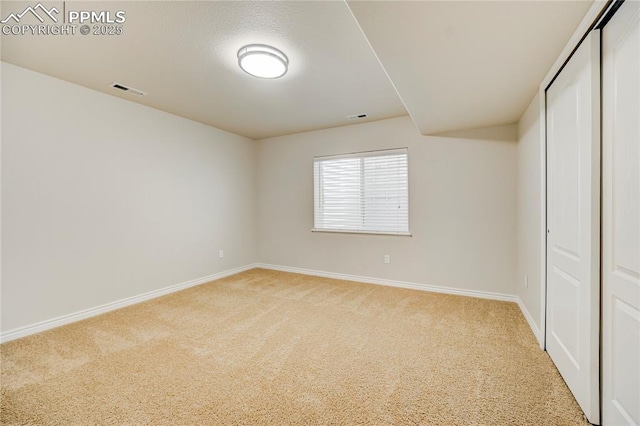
<point x="584" y="381"/>
<point x="596" y="17"/>
<point x="593" y="15"/>
<point x="597" y="13"/>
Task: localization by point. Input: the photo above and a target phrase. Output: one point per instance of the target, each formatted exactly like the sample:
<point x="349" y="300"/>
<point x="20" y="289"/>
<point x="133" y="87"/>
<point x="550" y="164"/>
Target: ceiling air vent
<point x="127" y="89"/>
<point x="356" y="116"/>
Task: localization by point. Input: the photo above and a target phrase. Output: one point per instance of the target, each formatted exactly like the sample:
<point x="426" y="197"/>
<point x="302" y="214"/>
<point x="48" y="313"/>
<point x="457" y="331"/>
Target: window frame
<point x="361" y="155"/>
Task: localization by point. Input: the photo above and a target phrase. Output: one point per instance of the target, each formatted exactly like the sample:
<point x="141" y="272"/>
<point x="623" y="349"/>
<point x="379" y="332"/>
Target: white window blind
<point x="363" y="192"/>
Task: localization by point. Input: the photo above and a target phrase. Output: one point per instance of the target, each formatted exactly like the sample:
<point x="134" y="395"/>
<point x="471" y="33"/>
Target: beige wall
<point x="530" y="242"/>
<point x="104" y="199"/>
<point x="462" y="207"/>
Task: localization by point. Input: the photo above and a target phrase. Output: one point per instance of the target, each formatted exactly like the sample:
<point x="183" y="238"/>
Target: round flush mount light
<point x="263" y="61"/>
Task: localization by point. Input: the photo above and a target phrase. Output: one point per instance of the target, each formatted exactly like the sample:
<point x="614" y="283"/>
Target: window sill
<point x="338" y="231"/>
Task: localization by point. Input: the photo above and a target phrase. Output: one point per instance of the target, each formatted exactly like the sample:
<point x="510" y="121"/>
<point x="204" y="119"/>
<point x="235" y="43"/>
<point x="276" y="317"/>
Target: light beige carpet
<point x="265" y="347"/>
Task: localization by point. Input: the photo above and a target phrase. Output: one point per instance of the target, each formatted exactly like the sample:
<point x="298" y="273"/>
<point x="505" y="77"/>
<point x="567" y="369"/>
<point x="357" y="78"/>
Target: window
<point x="364" y="192"/>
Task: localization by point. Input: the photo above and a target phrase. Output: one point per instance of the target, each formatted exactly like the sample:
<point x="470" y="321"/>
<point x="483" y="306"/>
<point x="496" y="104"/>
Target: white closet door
<point x="621" y="217"/>
<point x="573" y="222"/>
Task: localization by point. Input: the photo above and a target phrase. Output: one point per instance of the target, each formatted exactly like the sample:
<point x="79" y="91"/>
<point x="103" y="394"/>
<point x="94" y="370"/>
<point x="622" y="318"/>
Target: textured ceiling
<point x="466" y="64"/>
<point x="455" y="64"/>
<point x="184" y="55"/>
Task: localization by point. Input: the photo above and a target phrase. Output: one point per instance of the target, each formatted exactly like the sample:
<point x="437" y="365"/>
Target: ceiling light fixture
<point x="263" y="61"/>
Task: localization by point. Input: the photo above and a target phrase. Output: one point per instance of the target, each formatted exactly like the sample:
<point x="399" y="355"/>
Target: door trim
<point x="599" y="12"/>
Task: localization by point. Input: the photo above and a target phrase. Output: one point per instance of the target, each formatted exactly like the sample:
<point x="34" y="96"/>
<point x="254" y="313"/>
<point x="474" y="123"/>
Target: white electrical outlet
<point x="387" y="258"/>
<point x="221" y="254"/>
<point x="526" y="281"/>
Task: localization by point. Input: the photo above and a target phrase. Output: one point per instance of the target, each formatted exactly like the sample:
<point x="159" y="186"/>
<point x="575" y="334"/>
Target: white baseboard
<point x="80" y="315"/>
<point x="392" y="283"/>
<point x="415" y="286"/>
<point x="87" y="313"/>
<point x="529" y="318"/>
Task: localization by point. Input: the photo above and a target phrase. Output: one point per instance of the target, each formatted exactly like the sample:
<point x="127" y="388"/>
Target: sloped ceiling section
<point x="184" y="56"/>
<point x="467" y="64"/>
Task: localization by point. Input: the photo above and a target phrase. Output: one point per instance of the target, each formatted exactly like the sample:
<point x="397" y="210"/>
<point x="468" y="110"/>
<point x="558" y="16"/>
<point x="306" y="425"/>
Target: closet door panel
<point x="621" y="217"/>
<point x="573" y="222"/>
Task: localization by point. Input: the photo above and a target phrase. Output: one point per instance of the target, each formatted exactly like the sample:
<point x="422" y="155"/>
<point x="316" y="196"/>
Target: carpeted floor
<point x="266" y="347"/>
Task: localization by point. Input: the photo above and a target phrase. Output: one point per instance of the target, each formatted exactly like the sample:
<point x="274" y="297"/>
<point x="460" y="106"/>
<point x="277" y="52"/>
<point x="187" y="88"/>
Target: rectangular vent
<point x="356" y="116"/>
<point x="127" y="89"/>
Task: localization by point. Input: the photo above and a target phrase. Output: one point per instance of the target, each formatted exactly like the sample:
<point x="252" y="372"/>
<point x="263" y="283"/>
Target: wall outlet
<point x="526" y="281"/>
<point x="387" y="258"/>
<point x="220" y="254"/>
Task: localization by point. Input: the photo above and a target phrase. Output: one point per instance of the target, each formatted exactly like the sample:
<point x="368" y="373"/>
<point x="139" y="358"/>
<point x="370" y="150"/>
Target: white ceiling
<point x="466" y="64"/>
<point x="455" y="65"/>
<point x="184" y="55"/>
